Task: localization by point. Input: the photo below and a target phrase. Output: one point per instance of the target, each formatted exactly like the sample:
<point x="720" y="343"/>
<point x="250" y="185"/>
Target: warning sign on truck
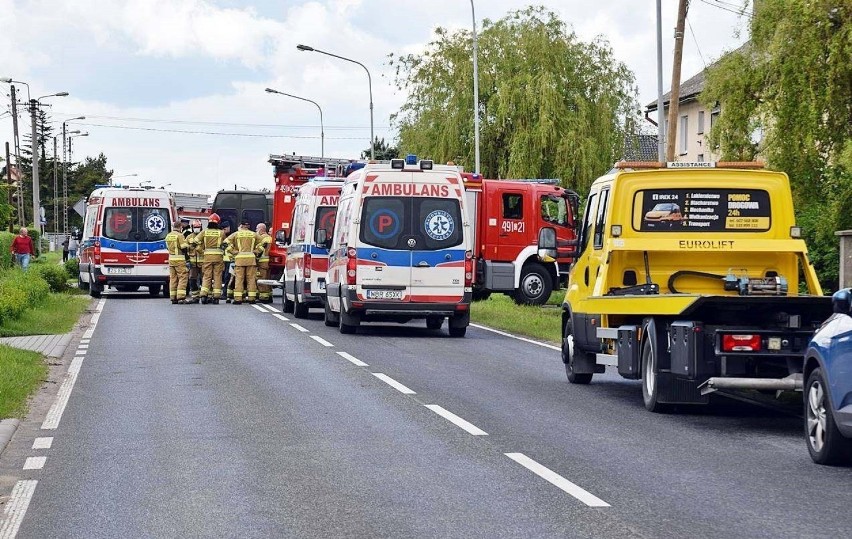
<point x="701" y="210"/>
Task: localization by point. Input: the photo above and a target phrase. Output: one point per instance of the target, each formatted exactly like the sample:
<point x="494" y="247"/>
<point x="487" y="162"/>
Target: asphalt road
<point x="225" y="421"/>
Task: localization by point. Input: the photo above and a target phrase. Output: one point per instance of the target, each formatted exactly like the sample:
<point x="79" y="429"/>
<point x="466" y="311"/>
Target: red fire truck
<point x="291" y="171"/>
<point x="507" y="216"/>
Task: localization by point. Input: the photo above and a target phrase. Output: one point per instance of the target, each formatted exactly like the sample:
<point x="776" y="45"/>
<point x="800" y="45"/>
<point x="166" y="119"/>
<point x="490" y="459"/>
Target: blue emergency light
<point x="411" y="159"/>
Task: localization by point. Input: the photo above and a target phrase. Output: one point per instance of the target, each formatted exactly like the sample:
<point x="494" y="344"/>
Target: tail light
<point x="351" y="265"/>
<point x="96" y="253"/>
<point x="468" y="268"/>
<point x="307" y="263"/>
<point x="740" y="343"/>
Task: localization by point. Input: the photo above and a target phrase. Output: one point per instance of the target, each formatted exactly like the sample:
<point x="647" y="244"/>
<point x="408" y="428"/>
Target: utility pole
<point x="661" y="136"/>
<point x="674" y="101"/>
<point x="17" y="157"/>
<point x="55" y="190"/>
<point x="64" y="185"/>
<point x="9" y="182"/>
<point x="35" y="144"/>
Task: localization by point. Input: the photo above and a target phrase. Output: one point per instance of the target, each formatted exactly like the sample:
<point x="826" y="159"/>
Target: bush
<point x="72" y="268"/>
<point x="6" y="249"/>
<point x="55" y="276"/>
<point x="19" y="291"/>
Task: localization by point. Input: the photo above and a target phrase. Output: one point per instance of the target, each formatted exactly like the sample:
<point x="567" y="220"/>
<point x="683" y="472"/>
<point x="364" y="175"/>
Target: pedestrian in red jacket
<point x="23" y="248"/>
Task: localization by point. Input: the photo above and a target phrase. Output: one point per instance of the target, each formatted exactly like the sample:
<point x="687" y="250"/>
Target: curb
<point x="7" y="430"/>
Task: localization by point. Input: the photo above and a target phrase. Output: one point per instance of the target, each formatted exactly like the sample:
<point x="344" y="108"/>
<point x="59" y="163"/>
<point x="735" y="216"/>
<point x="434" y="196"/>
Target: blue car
<point x="828" y="386"/>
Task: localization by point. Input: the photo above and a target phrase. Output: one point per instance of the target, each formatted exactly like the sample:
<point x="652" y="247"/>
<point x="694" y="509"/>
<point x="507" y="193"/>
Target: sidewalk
<point x="48" y="345"/>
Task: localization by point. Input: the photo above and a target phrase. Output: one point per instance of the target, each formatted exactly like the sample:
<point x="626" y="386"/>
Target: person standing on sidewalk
<point x="23" y="248"/>
<point x="72" y="246"/>
<point x="65" y="250"/>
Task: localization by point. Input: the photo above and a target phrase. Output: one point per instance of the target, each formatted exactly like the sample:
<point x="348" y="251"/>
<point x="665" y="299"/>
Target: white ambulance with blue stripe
<point x="401" y="248"/>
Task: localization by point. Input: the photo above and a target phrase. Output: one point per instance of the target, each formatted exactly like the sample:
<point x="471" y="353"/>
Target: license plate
<point x="115" y="271"/>
<point x="384" y="294"/>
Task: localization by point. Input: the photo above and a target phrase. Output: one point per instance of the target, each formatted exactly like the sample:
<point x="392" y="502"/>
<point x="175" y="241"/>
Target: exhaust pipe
<point x="790" y="383"/>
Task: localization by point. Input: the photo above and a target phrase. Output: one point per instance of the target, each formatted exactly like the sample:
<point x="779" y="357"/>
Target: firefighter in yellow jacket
<point x="209" y="245"/>
<point x="245" y="248"/>
<point x="264" y="292"/>
<point x="177" y="246"/>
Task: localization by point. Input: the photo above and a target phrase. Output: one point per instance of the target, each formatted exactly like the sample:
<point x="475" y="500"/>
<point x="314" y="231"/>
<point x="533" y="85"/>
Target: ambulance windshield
<point x="390" y="222"/>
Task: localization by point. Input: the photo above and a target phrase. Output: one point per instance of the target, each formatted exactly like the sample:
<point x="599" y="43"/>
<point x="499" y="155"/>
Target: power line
<point x="695" y="39"/>
<point x="736" y="11"/>
<point x="218" y="133"/>
<point x="229" y="124"/>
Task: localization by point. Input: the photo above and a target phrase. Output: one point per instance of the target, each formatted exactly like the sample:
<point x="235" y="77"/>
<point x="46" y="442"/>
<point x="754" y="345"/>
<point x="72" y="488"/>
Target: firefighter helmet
<point x="196" y="223"/>
<point x="214" y="218"/>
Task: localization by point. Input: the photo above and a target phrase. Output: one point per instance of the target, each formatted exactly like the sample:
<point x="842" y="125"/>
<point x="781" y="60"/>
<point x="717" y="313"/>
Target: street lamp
<point x="111" y="178"/>
<point x="322" y="129"/>
<point x="475" y="92"/>
<point x="34" y="103"/>
<point x="369" y="82"/>
<point x="65" y="173"/>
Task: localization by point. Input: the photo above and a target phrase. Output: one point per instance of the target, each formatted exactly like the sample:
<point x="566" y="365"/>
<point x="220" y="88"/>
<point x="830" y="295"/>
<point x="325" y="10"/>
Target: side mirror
<point x="322" y="238"/>
<point x="281" y="237"/>
<point x="841" y="301"/>
<point x="547" y="244"/>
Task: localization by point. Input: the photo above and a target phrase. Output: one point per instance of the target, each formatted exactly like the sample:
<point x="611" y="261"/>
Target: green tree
<point x="793" y="83"/>
<point x="82" y="179"/>
<point x="550" y="105"/>
<point x="383" y="150"/>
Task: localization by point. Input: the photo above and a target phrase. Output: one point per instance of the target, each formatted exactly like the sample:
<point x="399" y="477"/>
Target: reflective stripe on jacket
<point x="265" y="244"/>
<point x="176" y="245"/>
<point x="210" y="244"/>
<point x="244" y="244"/>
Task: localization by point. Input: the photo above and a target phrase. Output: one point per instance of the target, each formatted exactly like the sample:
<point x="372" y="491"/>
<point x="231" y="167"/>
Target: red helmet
<point x="214" y="218"/>
<point x="196" y="223"/>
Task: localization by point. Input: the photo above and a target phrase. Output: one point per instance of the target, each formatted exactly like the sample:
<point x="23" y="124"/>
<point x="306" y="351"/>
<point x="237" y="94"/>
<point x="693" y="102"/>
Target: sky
<point x="144" y="72"/>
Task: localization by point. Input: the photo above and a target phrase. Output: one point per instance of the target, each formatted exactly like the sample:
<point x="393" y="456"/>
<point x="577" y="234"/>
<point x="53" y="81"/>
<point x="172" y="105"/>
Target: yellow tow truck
<point x="692" y="277"/>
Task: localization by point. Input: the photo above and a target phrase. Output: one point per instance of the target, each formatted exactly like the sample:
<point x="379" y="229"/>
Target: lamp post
<point x="34" y="103"/>
<point x="65" y="174"/>
<point x="322" y="128"/>
<point x="369" y="82"/>
<point x="475" y="92"/>
<point x="9" y="80"/>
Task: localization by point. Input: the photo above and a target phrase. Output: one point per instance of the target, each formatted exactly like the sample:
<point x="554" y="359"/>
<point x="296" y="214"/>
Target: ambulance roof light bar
<point x="746" y="165"/>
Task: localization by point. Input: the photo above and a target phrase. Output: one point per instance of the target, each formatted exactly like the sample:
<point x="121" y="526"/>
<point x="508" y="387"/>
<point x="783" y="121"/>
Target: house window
<point x="684" y="134"/>
<point x="701" y="158"/>
<point x="714" y="117"/>
<point x="700" y="122"/>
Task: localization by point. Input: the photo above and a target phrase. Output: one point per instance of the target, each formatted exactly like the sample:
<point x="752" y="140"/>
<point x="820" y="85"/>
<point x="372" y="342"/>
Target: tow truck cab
<point x="723" y="297"/>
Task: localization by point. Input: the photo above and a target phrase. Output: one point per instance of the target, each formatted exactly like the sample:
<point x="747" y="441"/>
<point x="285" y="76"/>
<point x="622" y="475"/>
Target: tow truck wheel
<point x="650" y="385"/>
<point x="535" y="286"/>
<point x="825" y="442"/>
<point x="331" y="318"/>
<point x="568" y="355"/>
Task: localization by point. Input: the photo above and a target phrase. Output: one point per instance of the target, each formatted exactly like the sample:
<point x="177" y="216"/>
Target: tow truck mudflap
<point x="792" y="382"/>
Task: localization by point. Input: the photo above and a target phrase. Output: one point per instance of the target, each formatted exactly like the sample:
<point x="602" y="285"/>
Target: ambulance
<point x="304" y="278"/>
<point x="401" y="247"/>
<point x="123" y="243"/>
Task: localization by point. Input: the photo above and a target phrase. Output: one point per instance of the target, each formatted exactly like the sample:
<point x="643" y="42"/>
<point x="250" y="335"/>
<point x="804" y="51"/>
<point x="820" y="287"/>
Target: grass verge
<point x="22" y="371"/>
<point x="500" y="312"/>
<point x="56" y="314"/>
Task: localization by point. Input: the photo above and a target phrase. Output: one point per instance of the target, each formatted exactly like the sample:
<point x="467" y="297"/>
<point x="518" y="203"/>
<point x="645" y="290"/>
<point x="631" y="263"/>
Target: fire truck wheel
<point x="568" y="355"/>
<point x="535" y="286"/>
<point x="331" y="318"/>
<point x="300" y="310"/>
<point x="650" y="382"/>
<point x="434" y="322"/>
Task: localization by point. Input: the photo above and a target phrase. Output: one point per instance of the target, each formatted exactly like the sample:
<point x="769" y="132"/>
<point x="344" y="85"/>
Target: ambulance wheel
<point x="650" y="382"/>
<point x="94" y="290"/>
<point x="535" y="285"/>
<point x="300" y="310"/>
<point x="347" y="324"/>
<point x="128" y="288"/>
<point x="457" y="332"/>
<point x="331" y="318"/>
<point x="569" y="354"/>
<point x="165" y="290"/>
<point x="480" y="294"/>
<point x="287" y="305"/>
<point x="434" y="322"/>
<point x="153" y="290"/>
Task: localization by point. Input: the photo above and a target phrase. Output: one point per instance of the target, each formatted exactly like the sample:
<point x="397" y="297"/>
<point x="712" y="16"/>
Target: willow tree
<point x="550" y="104"/>
<point x="793" y="84"/>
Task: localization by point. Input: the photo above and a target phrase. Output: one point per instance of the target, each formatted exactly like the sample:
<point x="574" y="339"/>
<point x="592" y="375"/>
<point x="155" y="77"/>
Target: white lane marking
<point x="503" y="333"/>
<point x="81" y="353"/>
<point x="85" y="341"/>
<point x="300" y="328"/>
<point x="94" y="321"/>
<point x="272" y="309"/>
<point x="34" y="463"/>
<point x="352" y="359"/>
<point x="43" y="443"/>
<point x="281" y="317"/>
<point x="55" y="412"/>
<point x="16" y="508"/>
<point x="557" y="480"/>
<point x="393" y="383"/>
<point x="83" y="347"/>
<point x="467" y="426"/>
<point x="321" y="341"/>
<point x="259" y="308"/>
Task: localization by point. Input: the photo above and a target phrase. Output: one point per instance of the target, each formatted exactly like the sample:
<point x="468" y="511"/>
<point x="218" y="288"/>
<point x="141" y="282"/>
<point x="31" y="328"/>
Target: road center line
<point x="393" y="383"/>
<point x="55" y="412"/>
<point x="503" y="333"/>
<point x="34" y="463"/>
<point x="272" y="309"/>
<point x="468" y="427"/>
<point x="281" y="317"/>
<point x="43" y="443"/>
<point x="321" y="341"/>
<point x="16" y="508"/>
<point x="83" y="347"/>
<point x="557" y="480"/>
<point x="352" y="359"/>
<point x="300" y="328"/>
<point x="259" y="308"/>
